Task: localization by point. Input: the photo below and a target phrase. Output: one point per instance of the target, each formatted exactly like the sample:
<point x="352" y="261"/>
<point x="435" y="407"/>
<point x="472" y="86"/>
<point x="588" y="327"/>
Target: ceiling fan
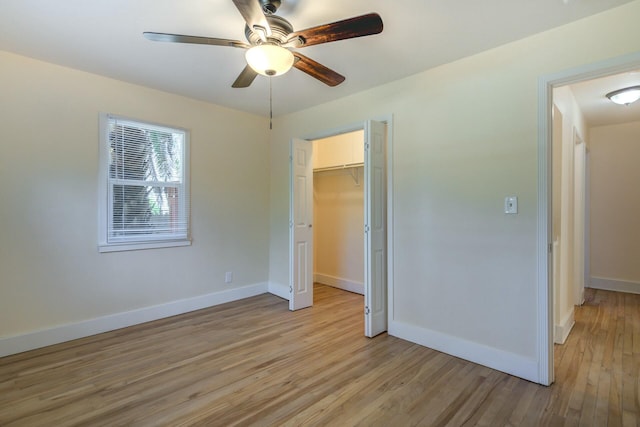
<point x="271" y="39"/>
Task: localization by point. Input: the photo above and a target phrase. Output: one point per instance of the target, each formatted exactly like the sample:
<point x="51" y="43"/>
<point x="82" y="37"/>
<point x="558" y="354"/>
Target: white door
<point x="579" y="221"/>
<point x="300" y="225"/>
<point x="587" y="220"/>
<point x="375" y="246"/>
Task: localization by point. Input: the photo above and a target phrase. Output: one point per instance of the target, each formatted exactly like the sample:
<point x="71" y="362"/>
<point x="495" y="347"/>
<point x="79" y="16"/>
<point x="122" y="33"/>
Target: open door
<point x="300" y="225"/>
<point x="375" y="246"/>
<point x="579" y="219"/>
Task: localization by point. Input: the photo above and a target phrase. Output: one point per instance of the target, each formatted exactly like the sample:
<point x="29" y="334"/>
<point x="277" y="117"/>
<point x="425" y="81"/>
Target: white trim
<point x="563" y="329"/>
<point x="614" y="285"/>
<point x="139" y="246"/>
<point x="390" y="263"/>
<point x="279" y="290"/>
<point x="71" y="331"/>
<point x="511" y="363"/>
<point x="544" y="299"/>
<point x="340" y="283"/>
<point x="327" y="133"/>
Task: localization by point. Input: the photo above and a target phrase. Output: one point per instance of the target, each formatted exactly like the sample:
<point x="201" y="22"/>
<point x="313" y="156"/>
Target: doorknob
<point x="310" y="225"/>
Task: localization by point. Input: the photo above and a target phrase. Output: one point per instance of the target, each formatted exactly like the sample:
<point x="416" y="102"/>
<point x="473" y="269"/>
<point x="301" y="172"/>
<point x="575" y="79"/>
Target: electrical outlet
<point x="228" y="277"/>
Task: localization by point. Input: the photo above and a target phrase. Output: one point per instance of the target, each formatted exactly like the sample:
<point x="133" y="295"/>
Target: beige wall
<point x="339" y="150"/>
<point x="51" y="271"/>
<point x="464" y="136"/>
<point x="338" y="216"/>
<point x="615" y="202"/>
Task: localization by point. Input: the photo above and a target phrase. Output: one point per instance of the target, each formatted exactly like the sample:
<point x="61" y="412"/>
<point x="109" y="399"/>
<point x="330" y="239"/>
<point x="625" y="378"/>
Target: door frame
<point x="579" y="213"/>
<point x="360" y="125"/>
<point x="544" y="301"/>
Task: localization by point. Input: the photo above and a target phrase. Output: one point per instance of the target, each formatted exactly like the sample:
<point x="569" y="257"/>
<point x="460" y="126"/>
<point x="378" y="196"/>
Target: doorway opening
<point x="569" y="229"/>
<point x="338" y="211"/>
<point x="373" y="181"/>
<point x="565" y="223"/>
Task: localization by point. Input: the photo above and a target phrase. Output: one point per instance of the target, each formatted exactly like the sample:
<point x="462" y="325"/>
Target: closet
<point x="338" y="211"/>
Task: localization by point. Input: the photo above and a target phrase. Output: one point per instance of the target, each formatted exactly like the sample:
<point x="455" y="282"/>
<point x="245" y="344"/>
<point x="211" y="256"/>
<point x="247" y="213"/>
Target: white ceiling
<point x="105" y="37"/>
<point x="597" y="109"/>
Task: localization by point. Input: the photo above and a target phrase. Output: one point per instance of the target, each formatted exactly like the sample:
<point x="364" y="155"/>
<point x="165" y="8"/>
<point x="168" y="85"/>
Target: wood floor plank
<point x="591" y="388"/>
<point x="253" y="362"/>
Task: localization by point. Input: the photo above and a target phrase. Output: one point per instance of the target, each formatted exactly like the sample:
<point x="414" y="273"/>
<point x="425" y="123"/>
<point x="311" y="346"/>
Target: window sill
<point x="118" y="247"/>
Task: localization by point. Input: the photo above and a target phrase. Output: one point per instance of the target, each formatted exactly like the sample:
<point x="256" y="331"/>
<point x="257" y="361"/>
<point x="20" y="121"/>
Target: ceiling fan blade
<point x="180" y="38"/>
<point x="317" y="70"/>
<point x="252" y="13"/>
<point x="364" y="25"/>
<point x="246" y="77"/>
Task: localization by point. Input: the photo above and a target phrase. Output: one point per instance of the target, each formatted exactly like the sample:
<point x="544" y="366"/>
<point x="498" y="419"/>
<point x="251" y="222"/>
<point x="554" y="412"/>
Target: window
<point x="144" y="196"/>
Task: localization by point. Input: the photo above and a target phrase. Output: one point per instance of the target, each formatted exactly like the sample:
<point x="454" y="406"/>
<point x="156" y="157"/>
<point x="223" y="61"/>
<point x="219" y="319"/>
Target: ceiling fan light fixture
<point x="269" y="59"/>
<point x="625" y="96"/>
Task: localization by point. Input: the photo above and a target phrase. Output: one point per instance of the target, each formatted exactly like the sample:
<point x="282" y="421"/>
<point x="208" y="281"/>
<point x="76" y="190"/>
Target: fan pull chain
<point x="270" y="106"/>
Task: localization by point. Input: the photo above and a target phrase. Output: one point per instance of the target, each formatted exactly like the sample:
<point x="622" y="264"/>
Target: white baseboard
<point x="279" y="290"/>
<point x="338" y="282"/>
<point x="494" y="358"/>
<point x="614" y="285"/>
<point x="561" y="330"/>
<point x="58" y="334"/>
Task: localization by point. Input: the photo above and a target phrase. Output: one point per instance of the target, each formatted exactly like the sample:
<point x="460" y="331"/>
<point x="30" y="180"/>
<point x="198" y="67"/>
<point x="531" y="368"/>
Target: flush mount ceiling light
<point x="625" y="96"/>
<point x="269" y="59"/>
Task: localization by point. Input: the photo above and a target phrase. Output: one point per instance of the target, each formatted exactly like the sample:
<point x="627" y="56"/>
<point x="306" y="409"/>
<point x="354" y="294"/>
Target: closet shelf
<point x="351" y="167"/>
<point x="338" y="167"/>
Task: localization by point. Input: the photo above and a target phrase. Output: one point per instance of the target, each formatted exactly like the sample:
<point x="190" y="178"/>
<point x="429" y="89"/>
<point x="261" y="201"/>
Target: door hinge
<point x="550" y="247"/>
<point x="366" y="145"/>
<point x="290" y="289"/>
<point x="290" y="224"/>
<point x="366" y="228"/>
<point x="366" y="310"/>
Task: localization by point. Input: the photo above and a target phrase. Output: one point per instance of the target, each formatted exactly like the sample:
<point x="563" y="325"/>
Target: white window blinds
<point x="147" y="198"/>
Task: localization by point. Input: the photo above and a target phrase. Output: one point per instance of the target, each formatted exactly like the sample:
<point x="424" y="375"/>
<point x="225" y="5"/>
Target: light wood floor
<point x="253" y="362"/>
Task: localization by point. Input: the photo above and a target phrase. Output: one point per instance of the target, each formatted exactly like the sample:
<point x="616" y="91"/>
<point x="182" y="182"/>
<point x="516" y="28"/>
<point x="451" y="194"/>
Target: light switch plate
<point x="511" y="205"/>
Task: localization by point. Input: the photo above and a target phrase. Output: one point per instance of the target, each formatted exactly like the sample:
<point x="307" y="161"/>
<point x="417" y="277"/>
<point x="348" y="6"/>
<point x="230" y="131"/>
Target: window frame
<point x="105" y="198"/>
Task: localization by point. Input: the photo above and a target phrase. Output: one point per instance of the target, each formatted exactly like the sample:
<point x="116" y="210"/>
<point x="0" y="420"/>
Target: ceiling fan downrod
<point x="270" y="6"/>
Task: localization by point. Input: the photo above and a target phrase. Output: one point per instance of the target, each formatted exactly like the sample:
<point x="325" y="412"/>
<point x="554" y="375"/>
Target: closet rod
<point x="333" y="168"/>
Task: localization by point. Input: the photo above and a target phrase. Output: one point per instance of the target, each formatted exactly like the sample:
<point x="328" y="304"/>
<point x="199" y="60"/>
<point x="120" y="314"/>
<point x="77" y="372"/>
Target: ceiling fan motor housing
<point x="280" y="30"/>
